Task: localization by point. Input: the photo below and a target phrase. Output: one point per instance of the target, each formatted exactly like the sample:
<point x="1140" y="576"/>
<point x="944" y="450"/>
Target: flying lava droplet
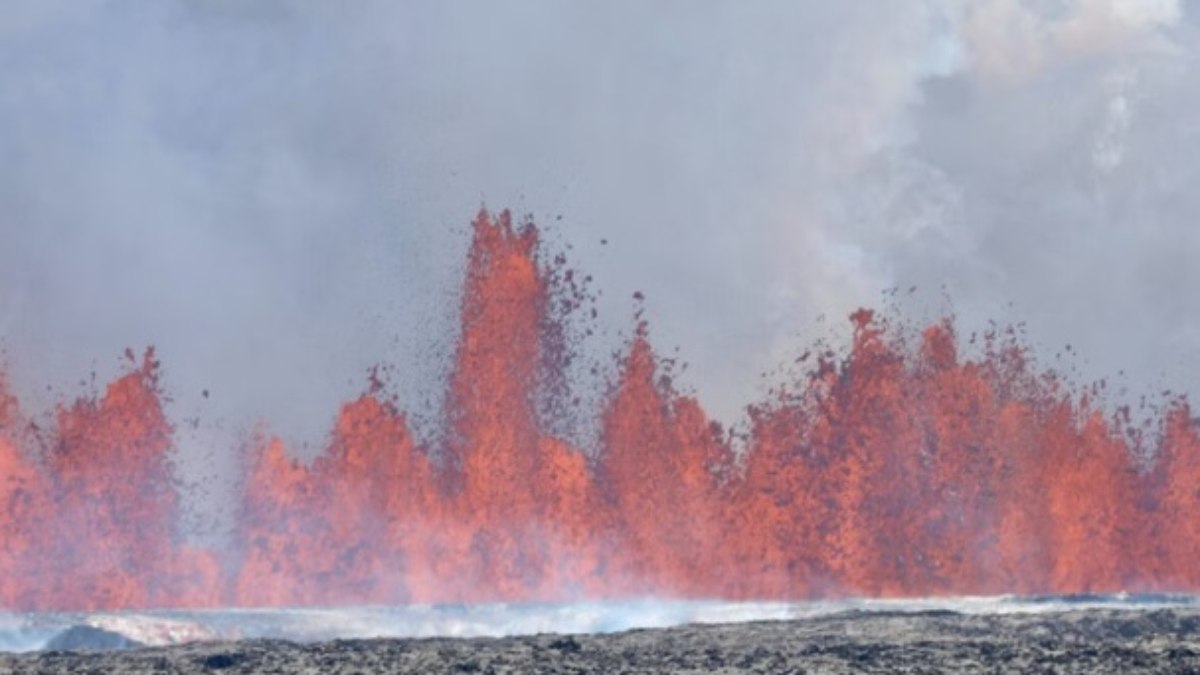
<point x="900" y="469"/>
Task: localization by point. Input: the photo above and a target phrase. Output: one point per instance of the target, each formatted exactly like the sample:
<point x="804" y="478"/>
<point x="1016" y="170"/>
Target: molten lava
<point x="901" y="469"/>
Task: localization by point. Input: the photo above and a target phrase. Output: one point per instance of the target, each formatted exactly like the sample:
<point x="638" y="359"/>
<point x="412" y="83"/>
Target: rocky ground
<point x="1077" y="641"/>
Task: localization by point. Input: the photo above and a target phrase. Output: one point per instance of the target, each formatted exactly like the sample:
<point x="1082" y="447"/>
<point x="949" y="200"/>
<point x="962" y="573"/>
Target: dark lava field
<point x="1075" y="641"/>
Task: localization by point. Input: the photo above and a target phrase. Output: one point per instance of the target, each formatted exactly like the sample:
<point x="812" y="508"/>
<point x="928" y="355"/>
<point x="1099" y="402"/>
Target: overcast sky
<point x="276" y="194"/>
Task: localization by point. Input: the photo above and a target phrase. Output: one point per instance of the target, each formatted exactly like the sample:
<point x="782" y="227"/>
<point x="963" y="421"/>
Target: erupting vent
<point x="900" y="469"/>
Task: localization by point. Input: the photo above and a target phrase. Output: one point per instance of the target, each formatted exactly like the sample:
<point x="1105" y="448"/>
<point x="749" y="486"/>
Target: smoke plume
<point x="274" y="193"/>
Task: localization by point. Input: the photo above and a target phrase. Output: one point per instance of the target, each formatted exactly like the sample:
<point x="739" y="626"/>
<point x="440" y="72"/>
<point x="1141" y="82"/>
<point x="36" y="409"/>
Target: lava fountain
<point x="900" y="468"/>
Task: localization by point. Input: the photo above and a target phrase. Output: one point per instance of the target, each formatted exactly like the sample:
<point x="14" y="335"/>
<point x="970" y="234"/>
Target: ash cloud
<point x="276" y="194"/>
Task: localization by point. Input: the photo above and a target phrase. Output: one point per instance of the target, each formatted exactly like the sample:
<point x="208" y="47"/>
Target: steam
<point x="23" y="633"/>
<point x="275" y="194"/>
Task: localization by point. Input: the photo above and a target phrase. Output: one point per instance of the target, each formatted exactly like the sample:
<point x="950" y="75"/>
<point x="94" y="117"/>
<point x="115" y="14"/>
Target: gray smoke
<point x="276" y="193"/>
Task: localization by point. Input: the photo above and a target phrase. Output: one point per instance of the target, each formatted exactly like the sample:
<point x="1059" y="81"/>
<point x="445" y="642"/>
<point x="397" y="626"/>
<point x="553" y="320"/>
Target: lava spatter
<point x="901" y="468"/>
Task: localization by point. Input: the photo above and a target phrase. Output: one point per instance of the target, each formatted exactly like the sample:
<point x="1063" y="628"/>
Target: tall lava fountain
<point x="899" y="469"/>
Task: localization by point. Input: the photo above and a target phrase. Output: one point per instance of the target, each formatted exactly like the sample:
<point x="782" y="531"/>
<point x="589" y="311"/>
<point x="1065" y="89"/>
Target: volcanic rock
<point x="1072" y="641"/>
<point x="90" y="638"/>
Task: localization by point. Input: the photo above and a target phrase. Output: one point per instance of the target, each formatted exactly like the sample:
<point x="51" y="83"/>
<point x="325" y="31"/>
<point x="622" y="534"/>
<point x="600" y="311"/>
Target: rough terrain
<point x="1077" y="641"/>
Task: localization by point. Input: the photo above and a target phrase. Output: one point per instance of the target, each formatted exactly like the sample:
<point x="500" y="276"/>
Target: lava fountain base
<point x="1051" y="634"/>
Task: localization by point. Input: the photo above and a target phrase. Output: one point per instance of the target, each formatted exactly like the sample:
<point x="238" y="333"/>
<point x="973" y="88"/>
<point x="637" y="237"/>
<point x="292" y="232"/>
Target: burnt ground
<point x="1078" y="641"/>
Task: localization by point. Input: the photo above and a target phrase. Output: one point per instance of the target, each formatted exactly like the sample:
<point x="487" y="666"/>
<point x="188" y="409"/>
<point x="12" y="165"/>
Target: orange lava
<point x="899" y="469"/>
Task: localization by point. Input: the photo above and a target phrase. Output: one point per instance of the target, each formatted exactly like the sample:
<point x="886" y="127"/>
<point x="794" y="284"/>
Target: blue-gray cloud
<point x="275" y="193"/>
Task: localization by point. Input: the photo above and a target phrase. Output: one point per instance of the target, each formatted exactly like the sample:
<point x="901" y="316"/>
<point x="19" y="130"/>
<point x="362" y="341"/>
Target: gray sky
<point x="276" y="193"/>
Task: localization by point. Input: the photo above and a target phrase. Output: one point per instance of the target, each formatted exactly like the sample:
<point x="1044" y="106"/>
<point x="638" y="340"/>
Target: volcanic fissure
<point x="899" y="469"/>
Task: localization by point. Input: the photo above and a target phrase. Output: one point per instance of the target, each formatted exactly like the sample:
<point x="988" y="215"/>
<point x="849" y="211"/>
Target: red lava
<point x="899" y="469"/>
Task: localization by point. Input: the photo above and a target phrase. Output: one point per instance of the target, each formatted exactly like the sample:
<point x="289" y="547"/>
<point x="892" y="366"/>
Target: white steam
<point x="276" y="193"/>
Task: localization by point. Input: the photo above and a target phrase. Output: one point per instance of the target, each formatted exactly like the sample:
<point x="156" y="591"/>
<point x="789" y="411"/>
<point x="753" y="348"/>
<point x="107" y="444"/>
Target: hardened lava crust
<point x="1073" y="641"/>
